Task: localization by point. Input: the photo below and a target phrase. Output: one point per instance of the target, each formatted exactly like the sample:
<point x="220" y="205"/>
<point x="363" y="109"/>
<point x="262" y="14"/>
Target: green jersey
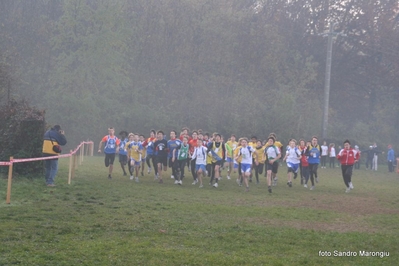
<point x="182" y="153"/>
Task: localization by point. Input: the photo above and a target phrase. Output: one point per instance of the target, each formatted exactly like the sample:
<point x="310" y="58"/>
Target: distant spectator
<point x="52" y="140"/>
<point x="324" y="154"/>
<point x="369" y="157"/>
<point x="390" y="158"/>
<point x="332" y="155"/>
<point x="376" y="151"/>
<point x="357" y="164"/>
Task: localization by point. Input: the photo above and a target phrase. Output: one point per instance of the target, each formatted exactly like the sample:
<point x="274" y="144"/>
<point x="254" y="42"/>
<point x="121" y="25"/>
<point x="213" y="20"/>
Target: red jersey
<point x="348" y="157"/>
<point x="304" y="158"/>
<point x="192" y="144"/>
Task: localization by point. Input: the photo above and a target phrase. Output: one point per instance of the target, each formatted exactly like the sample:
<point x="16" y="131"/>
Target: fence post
<point x="75" y="162"/>
<point x="81" y="150"/>
<point x="8" y="200"/>
<point x="70" y="168"/>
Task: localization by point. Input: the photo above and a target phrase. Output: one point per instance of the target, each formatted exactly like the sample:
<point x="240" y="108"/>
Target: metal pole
<point x="327" y="82"/>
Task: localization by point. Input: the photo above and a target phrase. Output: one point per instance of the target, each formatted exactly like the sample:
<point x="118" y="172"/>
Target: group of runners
<point x="206" y="154"/>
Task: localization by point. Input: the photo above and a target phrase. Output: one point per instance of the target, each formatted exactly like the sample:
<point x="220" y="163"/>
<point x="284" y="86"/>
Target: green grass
<point x="96" y="221"/>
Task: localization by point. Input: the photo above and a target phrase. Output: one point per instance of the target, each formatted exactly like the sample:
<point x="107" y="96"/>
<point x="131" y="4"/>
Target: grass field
<point x="96" y="221"/>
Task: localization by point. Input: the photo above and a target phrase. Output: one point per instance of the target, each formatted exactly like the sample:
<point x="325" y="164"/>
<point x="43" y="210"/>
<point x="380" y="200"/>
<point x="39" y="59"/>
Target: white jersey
<point x="272" y="152"/>
<point x="293" y="155"/>
<point x="324" y="150"/>
<point x="332" y="152"/>
<point x="246" y="154"/>
<point x="200" y="154"/>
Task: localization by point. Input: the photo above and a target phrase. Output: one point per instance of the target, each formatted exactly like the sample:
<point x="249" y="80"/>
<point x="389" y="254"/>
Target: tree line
<point x="244" y="67"/>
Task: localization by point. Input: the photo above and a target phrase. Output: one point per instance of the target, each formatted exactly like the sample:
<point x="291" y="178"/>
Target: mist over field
<point x="243" y="67"/>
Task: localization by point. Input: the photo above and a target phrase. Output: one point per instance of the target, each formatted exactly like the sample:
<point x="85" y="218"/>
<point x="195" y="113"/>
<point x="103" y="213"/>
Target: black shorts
<point x="273" y="167"/>
<point x="123" y="159"/>
<point x="109" y="159"/>
<point x="171" y="163"/>
<point x="162" y="160"/>
<point x="220" y="163"/>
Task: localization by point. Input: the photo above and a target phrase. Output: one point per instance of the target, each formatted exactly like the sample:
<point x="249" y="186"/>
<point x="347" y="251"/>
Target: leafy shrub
<point x="21" y="135"/>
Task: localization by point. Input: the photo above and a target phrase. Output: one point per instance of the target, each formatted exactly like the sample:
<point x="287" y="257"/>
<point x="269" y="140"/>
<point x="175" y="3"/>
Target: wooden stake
<point x="74" y="165"/>
<point x="8" y="200"/>
<point x="70" y="168"/>
<point x="82" y="150"/>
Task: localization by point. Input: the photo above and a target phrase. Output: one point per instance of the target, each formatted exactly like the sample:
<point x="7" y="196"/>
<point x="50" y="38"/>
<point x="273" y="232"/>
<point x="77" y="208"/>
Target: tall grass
<point x="96" y="221"/>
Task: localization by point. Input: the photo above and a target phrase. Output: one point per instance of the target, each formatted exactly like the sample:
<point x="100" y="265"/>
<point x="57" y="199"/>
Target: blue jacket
<point x="52" y="137"/>
<point x="391" y="155"/>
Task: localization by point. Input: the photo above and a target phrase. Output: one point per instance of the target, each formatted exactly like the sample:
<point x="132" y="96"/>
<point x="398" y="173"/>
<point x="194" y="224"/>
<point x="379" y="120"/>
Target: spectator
<point x="390" y="158"/>
<point x="357" y="163"/>
<point x="376" y="151"/>
<point x="52" y="140"/>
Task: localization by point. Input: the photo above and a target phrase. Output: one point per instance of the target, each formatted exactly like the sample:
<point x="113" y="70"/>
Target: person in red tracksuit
<point x="348" y="157"/>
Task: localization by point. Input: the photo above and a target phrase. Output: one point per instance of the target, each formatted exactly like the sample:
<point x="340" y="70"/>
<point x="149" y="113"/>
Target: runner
<point x="135" y="150"/>
<point x="216" y="150"/>
<point x="231" y="145"/>
<point x="292" y="157"/>
<point x="193" y="144"/>
<point x="348" y="157"/>
<point x="111" y="146"/>
<point x="246" y="152"/>
<point x="199" y="155"/>
<point x="143" y="155"/>
<point x="160" y="147"/>
<point x="173" y="143"/>
<point x="181" y="156"/>
<point x="122" y="151"/>
<point x="272" y="155"/>
<point x="314" y="152"/>
<point x="149" y="145"/>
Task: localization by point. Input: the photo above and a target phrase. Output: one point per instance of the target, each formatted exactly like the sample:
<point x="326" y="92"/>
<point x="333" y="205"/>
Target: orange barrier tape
<point x="45" y="158"/>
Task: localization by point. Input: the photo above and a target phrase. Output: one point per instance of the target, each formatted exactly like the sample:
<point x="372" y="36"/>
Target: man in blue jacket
<point x="52" y="140"/>
<point x="390" y="158"/>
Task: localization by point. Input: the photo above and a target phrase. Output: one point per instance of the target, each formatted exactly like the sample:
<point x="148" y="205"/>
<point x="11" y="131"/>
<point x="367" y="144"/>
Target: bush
<point x="21" y="135"/>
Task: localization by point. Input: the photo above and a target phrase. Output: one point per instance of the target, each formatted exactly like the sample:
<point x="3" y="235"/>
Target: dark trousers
<point x="347" y="174"/>
<point x="154" y="163"/>
<point x="305" y="174"/>
<point x="369" y="162"/>
<point x="174" y="166"/>
<point x="332" y="162"/>
<point x="323" y="160"/>
<point x="390" y="167"/>
<point x="181" y="164"/>
<point x="193" y="169"/>
<point x="357" y="165"/>
<point x="258" y="170"/>
<point x="313" y="171"/>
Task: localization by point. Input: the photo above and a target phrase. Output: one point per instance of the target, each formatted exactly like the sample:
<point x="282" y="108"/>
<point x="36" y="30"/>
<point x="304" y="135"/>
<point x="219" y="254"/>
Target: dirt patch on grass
<point x="333" y="226"/>
<point x="353" y="212"/>
<point x="355" y="206"/>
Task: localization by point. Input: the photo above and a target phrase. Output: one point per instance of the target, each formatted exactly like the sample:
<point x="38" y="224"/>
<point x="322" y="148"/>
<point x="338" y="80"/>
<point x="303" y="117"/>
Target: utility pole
<point x="330" y="34"/>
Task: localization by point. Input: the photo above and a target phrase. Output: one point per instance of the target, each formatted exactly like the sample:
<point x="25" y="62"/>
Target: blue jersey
<point x="314" y="154"/>
<point x="173" y="144"/>
<point x="110" y="144"/>
<point x="122" y="145"/>
<point x="150" y="146"/>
